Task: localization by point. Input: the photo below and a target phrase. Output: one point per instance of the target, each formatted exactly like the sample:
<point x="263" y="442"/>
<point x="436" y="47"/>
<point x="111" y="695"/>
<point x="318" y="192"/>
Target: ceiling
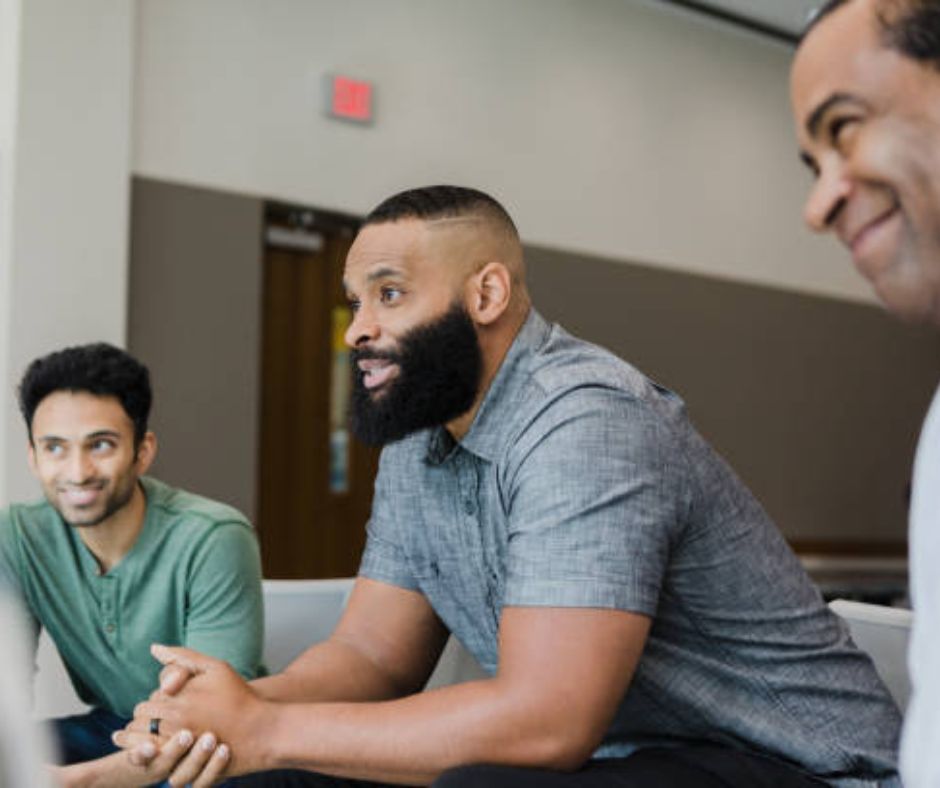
<point x="779" y="18"/>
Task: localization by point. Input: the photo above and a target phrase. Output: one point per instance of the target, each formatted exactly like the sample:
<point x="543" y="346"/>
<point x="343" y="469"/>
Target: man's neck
<point x="111" y="539"/>
<point x="494" y="350"/>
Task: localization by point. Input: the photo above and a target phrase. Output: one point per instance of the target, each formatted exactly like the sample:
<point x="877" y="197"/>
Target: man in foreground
<point x="641" y="620"/>
<point x="865" y="89"/>
<point x="111" y="560"/>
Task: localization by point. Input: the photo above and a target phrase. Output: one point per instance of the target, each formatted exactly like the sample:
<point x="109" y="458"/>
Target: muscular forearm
<point x="332" y="671"/>
<point x="414" y="739"/>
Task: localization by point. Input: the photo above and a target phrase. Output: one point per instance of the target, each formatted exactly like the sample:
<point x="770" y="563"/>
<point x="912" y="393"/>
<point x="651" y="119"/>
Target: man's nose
<point x="81" y="468"/>
<point x="363" y="328"/>
<point x="826" y="198"/>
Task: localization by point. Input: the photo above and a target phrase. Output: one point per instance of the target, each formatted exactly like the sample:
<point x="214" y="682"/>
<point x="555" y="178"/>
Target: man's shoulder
<point x="566" y="373"/>
<point x="565" y="361"/>
<point x="178" y="505"/>
<point x="33" y="515"/>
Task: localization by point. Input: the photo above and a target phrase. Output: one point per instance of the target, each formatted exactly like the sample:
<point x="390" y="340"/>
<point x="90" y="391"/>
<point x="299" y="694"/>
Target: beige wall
<point x="64" y="201"/>
<point x="9" y="78"/>
<point x="622" y="128"/>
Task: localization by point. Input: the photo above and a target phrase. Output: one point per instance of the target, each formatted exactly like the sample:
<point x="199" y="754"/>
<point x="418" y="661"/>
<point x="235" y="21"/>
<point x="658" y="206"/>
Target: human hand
<point x="173" y="678"/>
<point x="177" y="761"/>
<point x="213" y="698"/>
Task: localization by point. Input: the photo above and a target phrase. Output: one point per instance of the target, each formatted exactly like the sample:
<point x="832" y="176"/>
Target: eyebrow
<point x="816" y="116"/>
<point x="386" y="272"/>
<point x="383" y="273"/>
<point x="90" y="436"/>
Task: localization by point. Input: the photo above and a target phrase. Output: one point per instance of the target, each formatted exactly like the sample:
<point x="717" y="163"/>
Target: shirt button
<point x="109" y="628"/>
<point x="469" y="507"/>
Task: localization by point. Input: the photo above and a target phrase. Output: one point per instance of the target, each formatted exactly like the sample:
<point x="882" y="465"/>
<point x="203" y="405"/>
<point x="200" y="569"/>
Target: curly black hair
<point x="97" y="368"/>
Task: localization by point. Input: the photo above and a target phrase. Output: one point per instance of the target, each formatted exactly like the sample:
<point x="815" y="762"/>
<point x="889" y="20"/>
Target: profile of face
<point x="83" y="454"/>
<point x="417" y="358"/>
<point x="868" y="123"/>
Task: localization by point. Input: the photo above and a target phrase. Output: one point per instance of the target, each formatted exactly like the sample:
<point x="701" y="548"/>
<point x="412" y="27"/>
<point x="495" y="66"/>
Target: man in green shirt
<point x="112" y="561"/>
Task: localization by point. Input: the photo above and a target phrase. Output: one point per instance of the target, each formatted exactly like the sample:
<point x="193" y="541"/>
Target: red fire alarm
<point x="349" y="99"/>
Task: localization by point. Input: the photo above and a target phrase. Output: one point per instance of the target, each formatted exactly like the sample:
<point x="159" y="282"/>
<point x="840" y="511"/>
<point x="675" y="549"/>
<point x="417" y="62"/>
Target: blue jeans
<point x="84" y="737"/>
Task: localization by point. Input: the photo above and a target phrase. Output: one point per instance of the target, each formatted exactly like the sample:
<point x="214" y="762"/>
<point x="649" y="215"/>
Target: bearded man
<point x="639" y="619"/>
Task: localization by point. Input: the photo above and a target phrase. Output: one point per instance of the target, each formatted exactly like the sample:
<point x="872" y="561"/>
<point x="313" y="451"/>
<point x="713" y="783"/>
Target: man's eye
<point x="390" y="294"/>
<point x="353" y="305"/>
<point x="54" y="449"/>
<point x="102" y="445"/>
<point x="839" y="130"/>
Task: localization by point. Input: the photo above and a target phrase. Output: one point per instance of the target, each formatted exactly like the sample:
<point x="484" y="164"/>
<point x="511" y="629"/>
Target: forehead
<point x="409" y="248"/>
<point x="842" y="54"/>
<point x="73" y="414"/>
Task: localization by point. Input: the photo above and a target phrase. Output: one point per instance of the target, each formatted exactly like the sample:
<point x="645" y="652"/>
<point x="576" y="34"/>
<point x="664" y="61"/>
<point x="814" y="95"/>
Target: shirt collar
<point x="489" y="428"/>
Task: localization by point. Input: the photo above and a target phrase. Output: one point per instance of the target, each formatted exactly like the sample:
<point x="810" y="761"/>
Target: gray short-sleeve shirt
<point x="582" y="484"/>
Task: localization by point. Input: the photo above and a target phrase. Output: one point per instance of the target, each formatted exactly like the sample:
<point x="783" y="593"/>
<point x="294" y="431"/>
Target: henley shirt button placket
<point x="108" y="592"/>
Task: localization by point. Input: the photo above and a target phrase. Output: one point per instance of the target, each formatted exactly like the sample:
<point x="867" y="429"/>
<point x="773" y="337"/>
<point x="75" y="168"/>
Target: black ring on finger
<point x="155" y="726"/>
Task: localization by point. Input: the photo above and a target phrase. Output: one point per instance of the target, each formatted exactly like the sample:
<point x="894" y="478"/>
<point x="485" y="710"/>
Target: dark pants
<point x="697" y="766"/>
<point x="84" y="737"/>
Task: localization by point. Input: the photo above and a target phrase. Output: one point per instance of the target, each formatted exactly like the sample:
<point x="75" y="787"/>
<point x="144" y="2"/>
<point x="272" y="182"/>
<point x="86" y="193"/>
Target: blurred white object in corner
<point x="23" y="744"/>
<point x="883" y="633"/>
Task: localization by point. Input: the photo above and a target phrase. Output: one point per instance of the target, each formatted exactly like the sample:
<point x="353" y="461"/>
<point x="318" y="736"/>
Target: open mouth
<point x="376" y="372"/>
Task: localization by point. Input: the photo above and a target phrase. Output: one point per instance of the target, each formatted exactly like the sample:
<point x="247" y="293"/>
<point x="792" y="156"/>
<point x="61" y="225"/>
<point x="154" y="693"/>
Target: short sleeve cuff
<point x="549" y="593"/>
<point x="384" y="562"/>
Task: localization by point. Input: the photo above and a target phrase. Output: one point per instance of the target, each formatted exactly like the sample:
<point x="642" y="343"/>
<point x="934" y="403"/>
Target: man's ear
<point x="146" y="452"/>
<point x="490" y="290"/>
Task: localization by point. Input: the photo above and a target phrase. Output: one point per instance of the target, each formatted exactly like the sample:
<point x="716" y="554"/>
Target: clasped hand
<point x="199" y="697"/>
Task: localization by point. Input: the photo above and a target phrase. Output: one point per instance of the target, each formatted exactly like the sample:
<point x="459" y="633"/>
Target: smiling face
<point x="84" y="456"/>
<point x="868" y="123"/>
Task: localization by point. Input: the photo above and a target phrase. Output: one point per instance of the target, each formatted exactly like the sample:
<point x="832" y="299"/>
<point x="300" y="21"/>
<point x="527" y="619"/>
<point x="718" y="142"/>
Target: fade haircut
<point x="100" y="369"/>
<point x="441" y="202"/>
<point x="911" y="27"/>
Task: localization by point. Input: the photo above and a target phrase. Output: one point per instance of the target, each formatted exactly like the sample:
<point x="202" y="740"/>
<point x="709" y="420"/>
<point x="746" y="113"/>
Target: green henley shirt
<point x="192" y="578"/>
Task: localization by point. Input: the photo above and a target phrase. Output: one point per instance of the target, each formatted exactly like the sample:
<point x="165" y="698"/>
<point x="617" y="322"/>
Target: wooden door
<point x="315" y="480"/>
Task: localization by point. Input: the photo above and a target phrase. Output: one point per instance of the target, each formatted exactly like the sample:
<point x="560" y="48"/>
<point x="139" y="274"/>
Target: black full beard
<point x="440" y="368"/>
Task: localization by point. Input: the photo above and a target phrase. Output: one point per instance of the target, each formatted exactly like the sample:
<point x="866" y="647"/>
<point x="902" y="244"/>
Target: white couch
<point x="883" y="633"/>
<point x="298" y="613"/>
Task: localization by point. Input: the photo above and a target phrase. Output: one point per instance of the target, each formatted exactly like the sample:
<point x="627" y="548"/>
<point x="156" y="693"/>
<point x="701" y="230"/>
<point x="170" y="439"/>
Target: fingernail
<point x="207" y="742"/>
<point x="148" y="749"/>
<point x="222" y="752"/>
<point x="185" y="738"/>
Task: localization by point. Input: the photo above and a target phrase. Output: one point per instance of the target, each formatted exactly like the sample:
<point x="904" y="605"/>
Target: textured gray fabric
<point x="582" y="484"/>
